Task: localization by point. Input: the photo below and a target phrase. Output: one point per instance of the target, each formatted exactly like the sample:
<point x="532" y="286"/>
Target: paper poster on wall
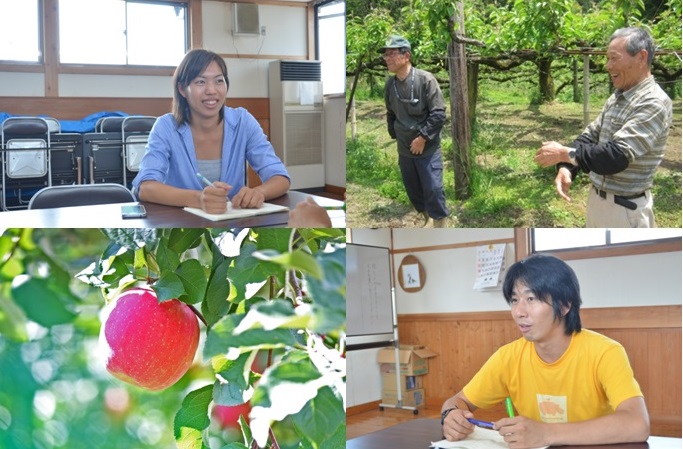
<point x="411" y="276"/>
<point x="490" y="266"/>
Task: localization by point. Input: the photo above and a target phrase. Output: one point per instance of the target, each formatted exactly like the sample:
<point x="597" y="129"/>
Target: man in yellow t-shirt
<point x="569" y="386"/>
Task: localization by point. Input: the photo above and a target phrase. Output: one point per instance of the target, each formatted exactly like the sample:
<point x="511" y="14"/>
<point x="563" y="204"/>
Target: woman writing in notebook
<point x="204" y="136"/>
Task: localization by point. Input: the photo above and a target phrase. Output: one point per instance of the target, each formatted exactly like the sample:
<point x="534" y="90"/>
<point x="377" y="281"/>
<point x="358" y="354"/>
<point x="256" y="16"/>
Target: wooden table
<point x="158" y="216"/>
<point x="419" y="433"/>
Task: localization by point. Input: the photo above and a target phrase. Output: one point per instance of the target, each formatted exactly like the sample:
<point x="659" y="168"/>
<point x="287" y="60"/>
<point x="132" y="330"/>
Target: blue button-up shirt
<point x="170" y="156"/>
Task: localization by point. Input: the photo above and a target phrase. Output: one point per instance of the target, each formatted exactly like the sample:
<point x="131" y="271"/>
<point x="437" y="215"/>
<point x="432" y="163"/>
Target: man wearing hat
<point x="416" y="112"/>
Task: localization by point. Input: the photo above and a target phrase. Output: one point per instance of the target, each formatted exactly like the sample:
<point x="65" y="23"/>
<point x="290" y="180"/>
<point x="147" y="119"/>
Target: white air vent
<point x="245" y="19"/>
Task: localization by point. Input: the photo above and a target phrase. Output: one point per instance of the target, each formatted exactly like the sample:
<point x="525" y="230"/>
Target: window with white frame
<point x="20" y="31"/>
<point x="122" y="32"/>
<point x="559" y="239"/>
<point x="331" y="48"/>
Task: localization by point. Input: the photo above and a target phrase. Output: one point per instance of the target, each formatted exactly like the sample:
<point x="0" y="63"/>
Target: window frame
<point x="316" y="32"/>
<point x="14" y="65"/>
<point x="524" y="248"/>
<point x="48" y="22"/>
<point x="131" y="69"/>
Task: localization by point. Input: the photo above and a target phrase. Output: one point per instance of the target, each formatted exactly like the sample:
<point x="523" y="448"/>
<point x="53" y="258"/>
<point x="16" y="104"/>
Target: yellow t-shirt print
<point x="553" y="409"/>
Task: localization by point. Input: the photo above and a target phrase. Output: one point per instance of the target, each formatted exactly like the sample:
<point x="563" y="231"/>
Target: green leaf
<point x="169" y="286"/>
<point x="329" y="294"/>
<point x="132" y="238"/>
<point x="248" y="269"/>
<point x="273" y="238"/>
<point x="42" y="302"/>
<point x="295" y="366"/>
<point x="246" y="431"/>
<point x="116" y="270"/>
<point x="321" y="417"/>
<point x="192" y="275"/>
<point x="337" y="440"/>
<point x="181" y="240"/>
<point x="12" y="321"/>
<point x="215" y="304"/>
<point x="192" y="418"/>
<point x="234" y="371"/>
<point x="276" y="314"/>
<point x="296" y="260"/>
<point x="220" y="337"/>
<point x="168" y="259"/>
<point x="333" y="265"/>
<point x="236" y="445"/>
<point x="228" y="394"/>
<point x="11" y="269"/>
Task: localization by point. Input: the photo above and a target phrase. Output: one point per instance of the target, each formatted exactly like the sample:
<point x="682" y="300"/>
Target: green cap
<point x="395" y="41"/>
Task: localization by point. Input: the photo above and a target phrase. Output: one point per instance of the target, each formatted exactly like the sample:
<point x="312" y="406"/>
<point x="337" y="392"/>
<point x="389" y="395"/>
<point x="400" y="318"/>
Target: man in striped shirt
<point x="623" y="147"/>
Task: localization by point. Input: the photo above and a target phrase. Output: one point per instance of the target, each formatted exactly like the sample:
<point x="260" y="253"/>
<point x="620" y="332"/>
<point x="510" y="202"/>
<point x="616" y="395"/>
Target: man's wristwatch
<point x="445" y="413"/>
<point x="572" y="156"/>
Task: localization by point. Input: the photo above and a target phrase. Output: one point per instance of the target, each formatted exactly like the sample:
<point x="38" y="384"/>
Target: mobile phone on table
<point x="133" y="211"/>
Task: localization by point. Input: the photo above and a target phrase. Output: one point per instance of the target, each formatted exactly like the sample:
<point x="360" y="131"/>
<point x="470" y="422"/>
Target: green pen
<point x="508" y="406"/>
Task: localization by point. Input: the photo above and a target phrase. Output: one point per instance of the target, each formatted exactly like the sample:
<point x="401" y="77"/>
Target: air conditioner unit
<point x="296" y="120"/>
<point x="245" y="19"/>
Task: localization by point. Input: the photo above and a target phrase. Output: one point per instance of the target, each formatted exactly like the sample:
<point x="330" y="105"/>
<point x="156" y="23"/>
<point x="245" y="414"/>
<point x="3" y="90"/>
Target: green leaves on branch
<point x="192" y="419"/>
<point x="42" y="302"/>
<point x="282" y="289"/>
<point x="33" y="286"/>
<point x="278" y="291"/>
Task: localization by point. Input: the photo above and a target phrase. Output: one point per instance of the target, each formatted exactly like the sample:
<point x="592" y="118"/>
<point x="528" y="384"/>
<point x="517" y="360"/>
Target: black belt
<point x="622" y="200"/>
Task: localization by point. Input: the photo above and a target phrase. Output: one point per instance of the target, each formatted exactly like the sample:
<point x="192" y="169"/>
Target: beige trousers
<point x="605" y="213"/>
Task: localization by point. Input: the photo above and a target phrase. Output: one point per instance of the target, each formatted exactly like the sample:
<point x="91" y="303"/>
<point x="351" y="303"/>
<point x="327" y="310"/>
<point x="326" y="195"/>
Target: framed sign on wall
<point x="411" y="274"/>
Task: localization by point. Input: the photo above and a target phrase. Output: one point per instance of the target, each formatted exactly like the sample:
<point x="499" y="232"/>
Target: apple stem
<point x="199" y="314"/>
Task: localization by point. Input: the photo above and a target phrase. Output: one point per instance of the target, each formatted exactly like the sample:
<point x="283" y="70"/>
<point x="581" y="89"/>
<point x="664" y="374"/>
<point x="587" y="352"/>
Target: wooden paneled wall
<point x="76" y="108"/>
<point x="464" y="341"/>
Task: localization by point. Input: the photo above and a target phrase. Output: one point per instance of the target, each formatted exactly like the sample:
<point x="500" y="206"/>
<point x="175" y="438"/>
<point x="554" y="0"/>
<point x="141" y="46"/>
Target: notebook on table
<point x="266" y="208"/>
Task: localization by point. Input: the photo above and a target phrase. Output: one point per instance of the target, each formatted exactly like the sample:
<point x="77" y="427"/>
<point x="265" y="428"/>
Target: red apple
<point x="148" y="343"/>
<point x="228" y="416"/>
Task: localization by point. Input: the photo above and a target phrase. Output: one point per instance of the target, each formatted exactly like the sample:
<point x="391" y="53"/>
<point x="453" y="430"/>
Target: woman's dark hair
<point x="192" y="65"/>
<point x="550" y="279"/>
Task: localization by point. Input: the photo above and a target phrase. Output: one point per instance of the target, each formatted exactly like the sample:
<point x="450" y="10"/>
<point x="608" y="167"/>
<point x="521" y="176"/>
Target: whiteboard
<point x="368" y="291"/>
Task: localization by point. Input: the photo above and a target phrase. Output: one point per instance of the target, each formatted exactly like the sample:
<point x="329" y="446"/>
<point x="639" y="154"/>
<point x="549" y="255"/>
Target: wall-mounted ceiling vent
<point x="245" y="19"/>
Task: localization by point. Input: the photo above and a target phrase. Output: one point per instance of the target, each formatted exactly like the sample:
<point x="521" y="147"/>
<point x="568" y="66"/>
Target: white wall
<point x="335" y="140"/>
<point x="22" y="84"/>
<point x="450" y="274"/>
<point x="286" y="36"/>
<point x="80" y="85"/>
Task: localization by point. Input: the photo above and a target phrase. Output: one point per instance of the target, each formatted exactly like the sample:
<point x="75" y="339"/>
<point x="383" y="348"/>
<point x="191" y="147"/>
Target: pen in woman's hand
<point x="203" y="179"/>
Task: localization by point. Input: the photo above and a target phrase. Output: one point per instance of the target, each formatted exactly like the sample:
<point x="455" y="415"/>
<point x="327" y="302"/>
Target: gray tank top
<point x="210" y="168"/>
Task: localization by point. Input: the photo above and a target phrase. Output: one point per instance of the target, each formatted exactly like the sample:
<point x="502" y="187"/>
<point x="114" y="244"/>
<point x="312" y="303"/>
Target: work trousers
<point x="605" y="213"/>
<point x="423" y="180"/>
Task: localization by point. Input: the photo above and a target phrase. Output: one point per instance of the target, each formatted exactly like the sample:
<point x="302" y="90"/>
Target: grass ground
<point x="508" y="188"/>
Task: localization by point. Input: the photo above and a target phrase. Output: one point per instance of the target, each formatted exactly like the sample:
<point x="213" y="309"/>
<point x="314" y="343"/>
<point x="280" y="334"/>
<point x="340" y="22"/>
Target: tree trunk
<point x="545" y="79"/>
<point x="359" y="70"/>
<point x="460" y="113"/>
<point x="575" y="81"/>
<point x="473" y="90"/>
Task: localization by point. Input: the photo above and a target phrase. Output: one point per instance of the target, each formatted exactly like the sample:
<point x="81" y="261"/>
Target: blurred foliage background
<point x="55" y="391"/>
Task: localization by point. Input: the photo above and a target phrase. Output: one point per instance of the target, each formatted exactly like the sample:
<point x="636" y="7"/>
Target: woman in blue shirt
<point x="202" y="135"/>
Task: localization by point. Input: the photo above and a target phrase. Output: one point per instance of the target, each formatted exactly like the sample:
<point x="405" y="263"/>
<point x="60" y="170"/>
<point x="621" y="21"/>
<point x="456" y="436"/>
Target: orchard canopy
<point x="504" y="37"/>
